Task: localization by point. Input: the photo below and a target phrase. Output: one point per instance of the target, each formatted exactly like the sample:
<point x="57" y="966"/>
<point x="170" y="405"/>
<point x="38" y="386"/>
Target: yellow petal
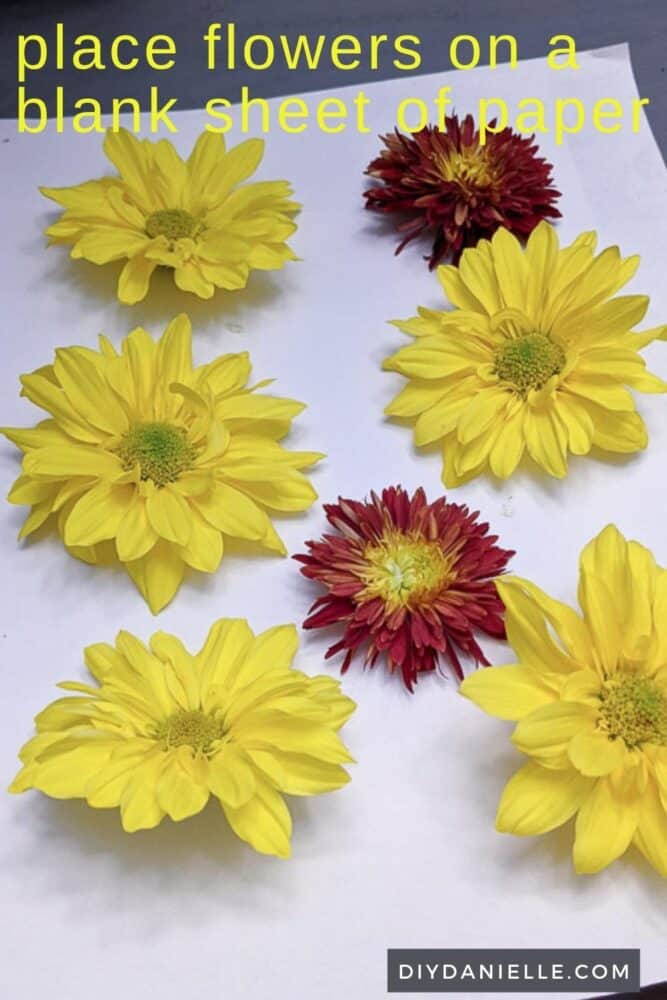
<point x="546" y="732"/>
<point x="226" y="645"/>
<point x="30" y="491"/>
<point x="507" y="692"/>
<point x="106" y="787"/>
<point x="23" y="781"/>
<point x="541" y="258"/>
<point x="508" y="447"/>
<point x="546" y="439"/>
<point x="227" y="374"/>
<point x="100" y="658"/>
<point x="298" y="774"/>
<point x="66" y="773"/>
<point x="622" y="433"/>
<point x="271" y="650"/>
<point x="181" y="674"/>
<point x="577" y="422"/>
<point x="232" y="512"/>
<point x="602" y="392"/>
<point x="49" y="396"/>
<point x="264" y="730"/>
<point x="128" y="155"/>
<point x="443" y="417"/>
<point x="327" y="691"/>
<point x="606" y="825"/>
<point x="282" y="688"/>
<point x="651" y="833"/>
<point x="660" y="771"/>
<point x="107" y="243"/>
<point x="174" y="357"/>
<point x="158" y="575"/>
<point x="538" y="799"/>
<point x="189" y="278"/>
<point x="172" y="173"/>
<point x="640" y="612"/>
<point x="290" y="492"/>
<point x="231" y="777"/>
<point x="182" y="789"/>
<point x="139" y="807"/>
<point x="97" y="515"/>
<point x="263" y="821"/>
<point x="599" y="609"/>
<point x="36" y="518"/>
<point x="206" y="156"/>
<point x="510" y="268"/>
<point x="432" y="358"/>
<point x="204" y="549"/>
<point x="478" y="276"/>
<point x="135" y="536"/>
<point x="239" y="163"/>
<point x="606" y="556"/>
<point x="456" y="291"/>
<point x="526" y="611"/>
<point x="169" y="515"/>
<point x="134" y="279"/>
<point x="72" y="460"/>
<point x="484" y="411"/>
<point x="593" y="753"/>
<point x="269" y="257"/>
<point x="416" y="397"/>
<point x="78" y="374"/>
<point x="254" y="407"/>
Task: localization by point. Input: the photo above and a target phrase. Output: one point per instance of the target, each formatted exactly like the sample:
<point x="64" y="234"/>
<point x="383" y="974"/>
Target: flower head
<point x="407" y="578"/>
<point x="148" y="461"/>
<point x="196" y="216"/>
<point x="448" y="184"/>
<point x="162" y="730"/>
<point x="537" y="357"/>
<point x="589" y="693"/>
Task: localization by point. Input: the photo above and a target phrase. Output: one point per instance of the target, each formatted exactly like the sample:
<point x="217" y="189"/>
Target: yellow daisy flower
<point x="589" y="694"/>
<point x="163" y="730"/>
<point x="195" y="216"/>
<point x="148" y="461"/>
<point x="536" y="357"/>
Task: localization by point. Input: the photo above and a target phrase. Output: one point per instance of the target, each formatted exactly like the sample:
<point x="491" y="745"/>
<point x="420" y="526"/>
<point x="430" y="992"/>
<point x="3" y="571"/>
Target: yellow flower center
<point x="405" y="571"/>
<point x="529" y="361"/>
<point x="634" y="709"/>
<point x="470" y="167"/>
<point x="174" y="223"/>
<point x="162" y="451"/>
<point x="191" y="729"/>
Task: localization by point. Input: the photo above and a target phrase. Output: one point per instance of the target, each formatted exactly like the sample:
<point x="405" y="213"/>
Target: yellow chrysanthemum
<point x="535" y="357"/>
<point x="590" y="697"/>
<point x="164" y="730"/>
<point x="195" y="216"/>
<point x="148" y="461"/>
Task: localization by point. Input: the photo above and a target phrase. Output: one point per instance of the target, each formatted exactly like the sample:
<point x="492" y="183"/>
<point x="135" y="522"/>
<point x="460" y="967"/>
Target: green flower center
<point x="162" y="451"/>
<point x="405" y="571"/>
<point x="634" y="709"/>
<point x="191" y="729"/>
<point x="528" y="362"/>
<point x="174" y="223"/>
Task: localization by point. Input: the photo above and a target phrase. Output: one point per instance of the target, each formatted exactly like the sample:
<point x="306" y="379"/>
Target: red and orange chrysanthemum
<point x="448" y="183"/>
<point x="407" y="578"/>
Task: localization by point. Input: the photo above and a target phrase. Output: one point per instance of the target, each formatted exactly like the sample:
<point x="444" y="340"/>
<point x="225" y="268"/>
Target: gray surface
<point x="642" y="23"/>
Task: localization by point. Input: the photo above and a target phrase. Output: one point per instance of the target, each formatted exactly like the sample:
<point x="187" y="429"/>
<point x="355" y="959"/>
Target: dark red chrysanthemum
<point x="407" y="578"/>
<point x="447" y="183"/>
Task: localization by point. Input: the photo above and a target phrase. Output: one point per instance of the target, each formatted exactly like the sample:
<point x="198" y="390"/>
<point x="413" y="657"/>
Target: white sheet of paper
<point x="406" y="855"/>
